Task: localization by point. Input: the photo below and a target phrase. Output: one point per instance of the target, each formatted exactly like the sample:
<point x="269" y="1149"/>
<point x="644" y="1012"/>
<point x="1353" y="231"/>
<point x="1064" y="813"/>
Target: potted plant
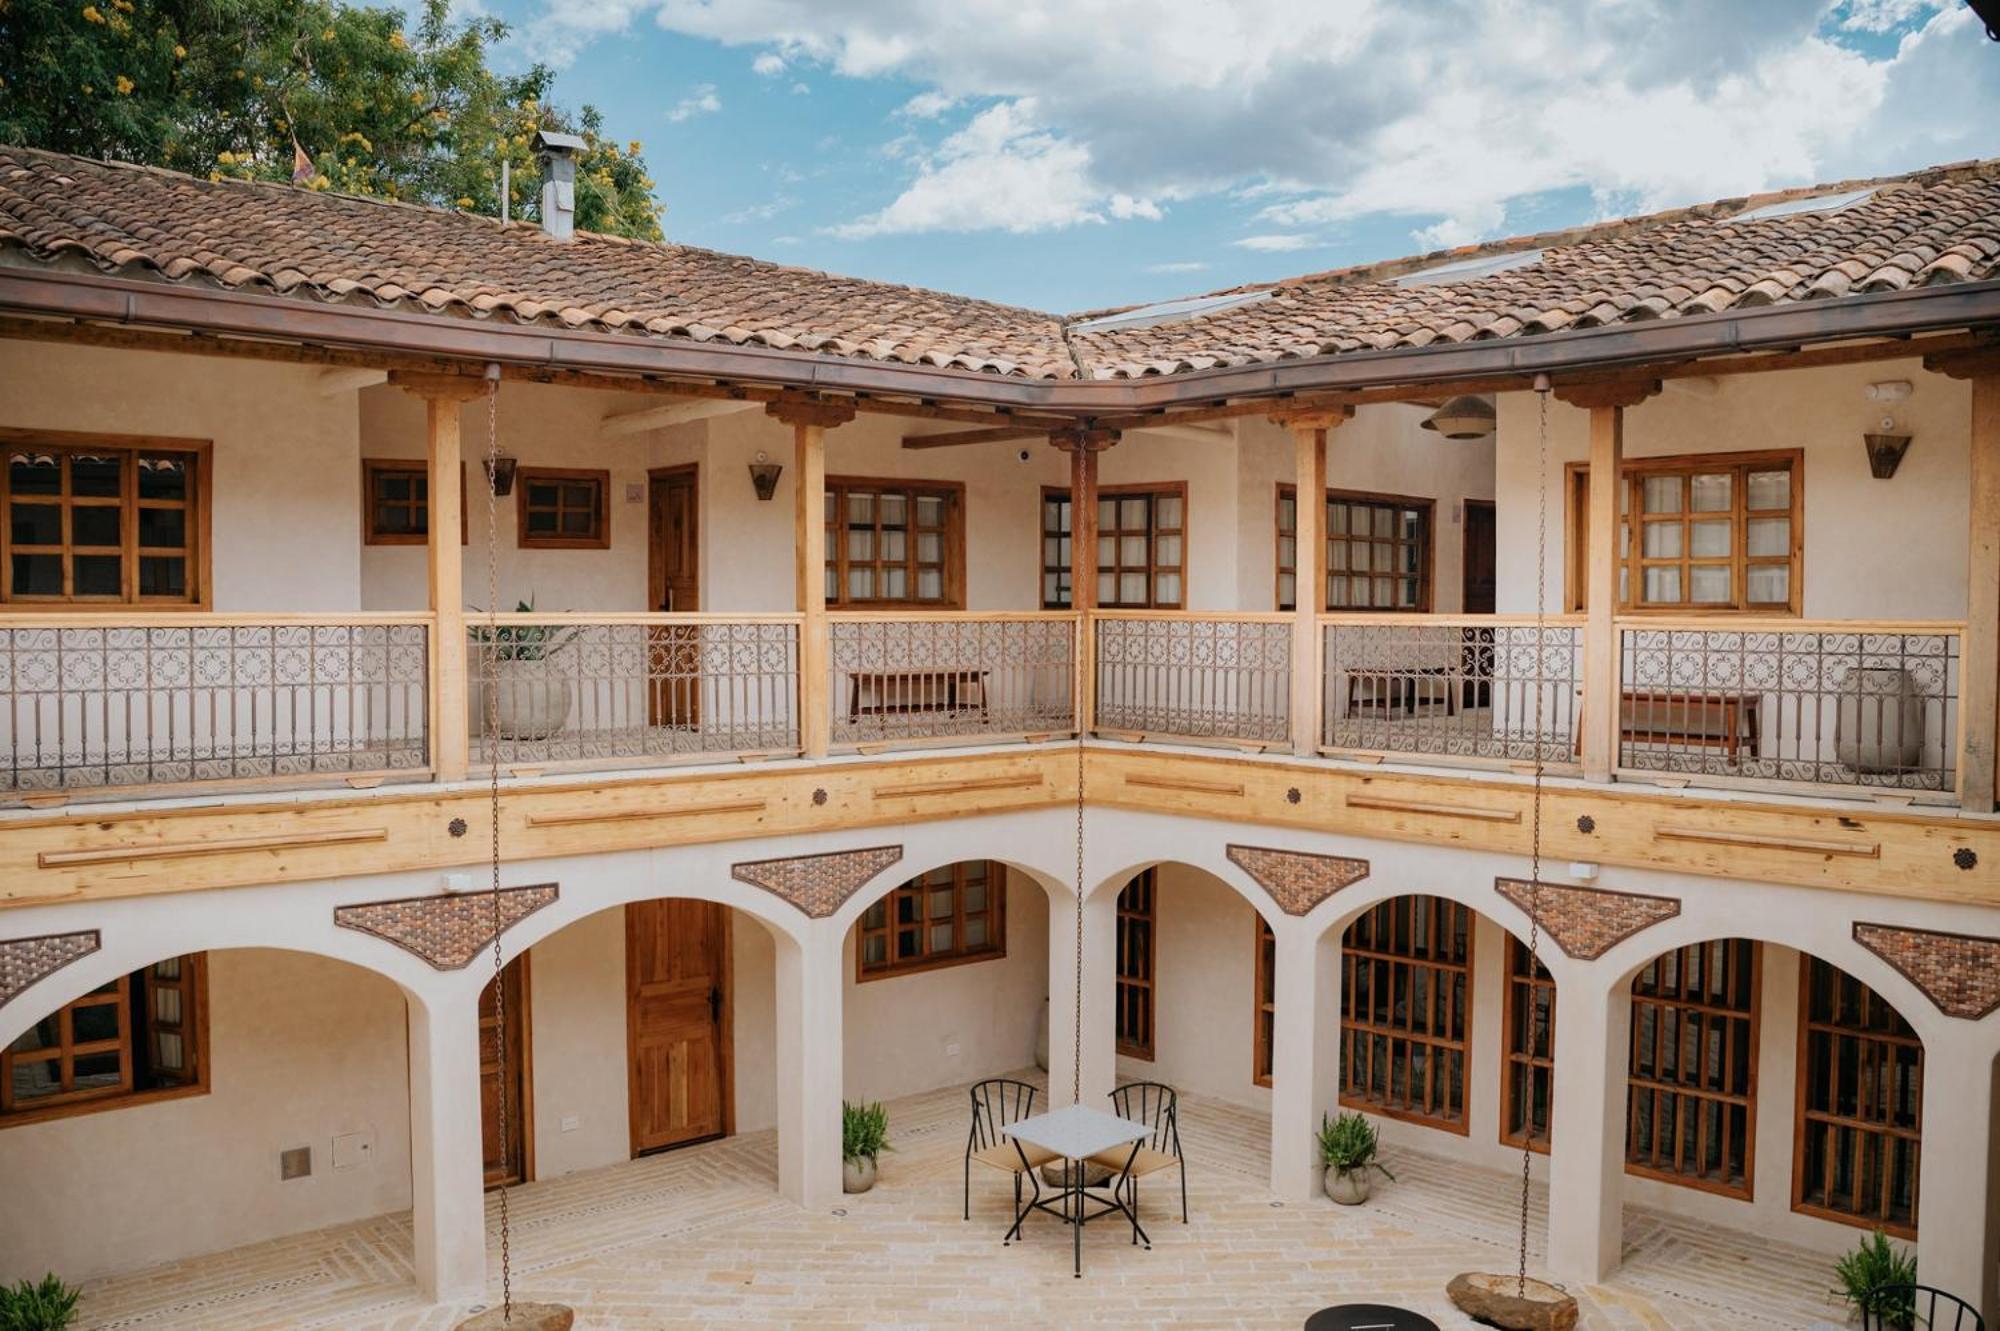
<point x="1866" y="1275"/>
<point x="519" y="697"/>
<point x="47" y="1306"/>
<point x="1347" y="1148"/>
<point x="864" y="1135"/>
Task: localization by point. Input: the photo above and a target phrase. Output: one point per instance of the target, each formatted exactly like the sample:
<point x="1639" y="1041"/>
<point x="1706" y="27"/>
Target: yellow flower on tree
<point x="90" y="12"/>
<point x="125" y="86"/>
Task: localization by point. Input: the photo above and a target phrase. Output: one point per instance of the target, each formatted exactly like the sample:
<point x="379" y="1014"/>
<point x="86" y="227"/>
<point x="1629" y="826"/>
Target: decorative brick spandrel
<point x="1958" y="972"/>
<point x="1587" y="922"/>
<point x="26" y="961"/>
<point x="818" y="885"/>
<point x="446" y="931"/>
<point x="1295" y="880"/>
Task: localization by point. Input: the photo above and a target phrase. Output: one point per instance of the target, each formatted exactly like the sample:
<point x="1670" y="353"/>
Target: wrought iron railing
<point x="607" y="690"/>
<point x="1455" y="687"/>
<point x="899" y="679"/>
<point x="108" y="702"/>
<point x="1194" y="676"/>
<point x="1839" y="704"/>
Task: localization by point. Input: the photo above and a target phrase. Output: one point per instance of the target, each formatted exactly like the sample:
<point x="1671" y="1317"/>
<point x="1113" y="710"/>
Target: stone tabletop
<point x="1078" y="1132"/>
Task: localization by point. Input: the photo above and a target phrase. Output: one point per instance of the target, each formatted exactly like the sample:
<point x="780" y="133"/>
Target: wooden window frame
<point x="198" y="528"/>
<point x="129" y="991"/>
<point x="525" y="477"/>
<point x="1803" y="1118"/>
<point x="1263" y="1003"/>
<point x="1426" y="546"/>
<point x="373" y="467"/>
<point x="995" y="949"/>
<point x="1517" y="982"/>
<point x="1576" y="506"/>
<point x="953" y="493"/>
<point x="1383" y="962"/>
<point x="1139" y="917"/>
<point x="1152" y="491"/>
<point x="1684" y="1092"/>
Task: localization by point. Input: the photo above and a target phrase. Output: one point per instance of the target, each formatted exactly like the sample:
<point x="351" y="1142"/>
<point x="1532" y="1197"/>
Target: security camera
<point x="1023" y="455"/>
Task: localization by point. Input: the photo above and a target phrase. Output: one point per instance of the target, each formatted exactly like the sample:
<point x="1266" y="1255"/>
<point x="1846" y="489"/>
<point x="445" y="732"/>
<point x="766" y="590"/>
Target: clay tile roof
<point x="1929" y="228"/>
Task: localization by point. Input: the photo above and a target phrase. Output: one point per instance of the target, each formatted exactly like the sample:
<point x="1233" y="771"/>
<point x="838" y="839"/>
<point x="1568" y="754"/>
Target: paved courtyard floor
<point x="700" y="1238"/>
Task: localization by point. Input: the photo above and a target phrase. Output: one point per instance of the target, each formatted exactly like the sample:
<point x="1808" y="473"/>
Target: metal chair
<point x="1918" y="1308"/>
<point x="997" y="1104"/>
<point x="1156" y="1105"/>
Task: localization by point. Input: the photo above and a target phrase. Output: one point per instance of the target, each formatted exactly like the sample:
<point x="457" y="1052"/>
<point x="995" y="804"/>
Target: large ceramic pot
<point x="1349" y="1187"/>
<point x="1881" y="722"/>
<point x="858" y="1174"/>
<point x="523" y="700"/>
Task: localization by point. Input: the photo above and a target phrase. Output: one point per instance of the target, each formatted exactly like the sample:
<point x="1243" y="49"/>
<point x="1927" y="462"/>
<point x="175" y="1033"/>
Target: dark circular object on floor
<point x="1368" y="1317"/>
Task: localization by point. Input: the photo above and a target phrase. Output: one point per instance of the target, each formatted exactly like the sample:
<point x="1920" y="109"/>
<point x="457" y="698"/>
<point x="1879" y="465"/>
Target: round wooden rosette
<point x="527" y="1317"/>
<point x="1505" y="1302"/>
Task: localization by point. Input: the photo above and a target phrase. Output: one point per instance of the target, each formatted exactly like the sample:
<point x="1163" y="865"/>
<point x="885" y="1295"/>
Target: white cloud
<point x="1177" y="266"/>
<point x="800" y="89"/>
<point x="700" y="102"/>
<point x="1277" y="243"/>
<point x="761" y="212"/>
<point x="1448" y="114"/>
<point x="769" y="64"/>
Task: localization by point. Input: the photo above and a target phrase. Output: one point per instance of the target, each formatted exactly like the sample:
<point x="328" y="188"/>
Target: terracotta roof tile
<point x="1937" y="226"/>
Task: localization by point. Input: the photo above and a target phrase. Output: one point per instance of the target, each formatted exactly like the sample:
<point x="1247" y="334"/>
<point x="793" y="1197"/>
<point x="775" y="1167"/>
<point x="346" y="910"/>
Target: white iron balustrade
<point x="897" y="680"/>
<point x="1191" y="676"/>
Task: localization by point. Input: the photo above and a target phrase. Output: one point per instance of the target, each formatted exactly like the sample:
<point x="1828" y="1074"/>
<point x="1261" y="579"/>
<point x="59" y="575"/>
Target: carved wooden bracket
<point x="1587" y="922"/>
<point x="439" y="387"/>
<point x="1090" y="441"/>
<point x="1607" y="392"/>
<point x="800" y="410"/>
<point x="448" y="932"/>
<point x="1972" y="363"/>
<point x="818" y="885"/>
<point x="1314" y="418"/>
<point x="27" y="961"/>
<point x="1297" y="881"/>
<point x="1958" y="972"/>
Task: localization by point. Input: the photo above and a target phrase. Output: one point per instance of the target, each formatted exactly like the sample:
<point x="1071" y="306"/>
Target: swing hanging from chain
<point x="509" y="1316"/>
<point x="1518" y="1301"/>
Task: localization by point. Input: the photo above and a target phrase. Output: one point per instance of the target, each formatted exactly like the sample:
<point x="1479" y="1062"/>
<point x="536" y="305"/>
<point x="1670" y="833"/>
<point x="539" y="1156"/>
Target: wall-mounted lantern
<point x="764" y="475"/>
<point x="1885" y="450"/>
<point x="500" y="474"/>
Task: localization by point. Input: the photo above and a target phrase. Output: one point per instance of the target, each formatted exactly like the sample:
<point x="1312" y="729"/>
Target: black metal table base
<point x="1072" y="1204"/>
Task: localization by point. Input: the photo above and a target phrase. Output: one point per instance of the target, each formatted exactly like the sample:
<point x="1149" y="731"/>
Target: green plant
<point x="521" y="642"/>
<point x="48" y="1306"/>
<point x="1867" y="1273"/>
<point x="864" y="1131"/>
<point x="1347" y="1145"/>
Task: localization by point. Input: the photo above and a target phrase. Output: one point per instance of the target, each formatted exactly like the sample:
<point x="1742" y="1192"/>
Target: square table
<point x="1075" y="1134"/>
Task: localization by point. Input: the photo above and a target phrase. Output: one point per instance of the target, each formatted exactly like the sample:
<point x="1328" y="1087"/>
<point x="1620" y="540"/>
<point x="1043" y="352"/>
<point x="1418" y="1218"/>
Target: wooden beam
<point x="1603" y="700"/>
<point x="334" y="382"/>
<point x="674" y="413"/>
<point x="809" y="549"/>
<point x="1309" y="435"/>
<point x="1083" y="446"/>
<point x="1979" y="666"/>
<point x="998" y="434"/>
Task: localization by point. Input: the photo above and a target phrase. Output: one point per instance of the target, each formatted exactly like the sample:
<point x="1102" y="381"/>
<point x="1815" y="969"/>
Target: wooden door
<point x="677" y="1021"/>
<point x="511" y="1164"/>
<point x="1480" y="557"/>
<point x="674" y="580"/>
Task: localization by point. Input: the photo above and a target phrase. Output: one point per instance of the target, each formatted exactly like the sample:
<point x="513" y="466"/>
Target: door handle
<point x="715" y="1003"/>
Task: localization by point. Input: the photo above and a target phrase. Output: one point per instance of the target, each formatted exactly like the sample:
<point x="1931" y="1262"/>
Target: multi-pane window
<point x="1141" y="547"/>
<point x="138" y="1035"/>
<point x="89" y="523"/>
<point x="1527" y="1078"/>
<point x="894" y="544"/>
<point x="951" y="914"/>
<point x="1691" y="1112"/>
<point x="1136" y="904"/>
<point x="1860" y="1104"/>
<point x="1378" y="551"/>
<point x="1713" y="533"/>
<point x="563" y="508"/>
<point x="1264" y="1041"/>
<point x="1405" y="1016"/>
<point x="397" y="499"/>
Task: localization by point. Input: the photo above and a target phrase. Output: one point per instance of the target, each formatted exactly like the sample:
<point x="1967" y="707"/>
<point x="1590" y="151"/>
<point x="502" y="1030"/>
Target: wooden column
<point x="1083" y="446"/>
<point x="1309" y="432"/>
<point x="810" y="419"/>
<point x="1602" y="691"/>
<point x="444" y="395"/>
<point x="1979" y="650"/>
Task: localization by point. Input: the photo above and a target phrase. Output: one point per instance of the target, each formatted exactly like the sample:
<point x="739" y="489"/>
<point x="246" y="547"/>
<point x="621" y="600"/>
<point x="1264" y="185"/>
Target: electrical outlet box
<point x="570" y="1123"/>
<point x="295" y="1163"/>
<point x="353" y="1149"/>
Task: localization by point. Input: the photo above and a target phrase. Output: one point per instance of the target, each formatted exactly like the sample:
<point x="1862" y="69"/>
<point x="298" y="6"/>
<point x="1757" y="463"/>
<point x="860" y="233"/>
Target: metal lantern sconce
<point x="1464" y="417"/>
<point x="1887" y="445"/>
<point x="500" y="474"/>
<point x="764" y="475"/>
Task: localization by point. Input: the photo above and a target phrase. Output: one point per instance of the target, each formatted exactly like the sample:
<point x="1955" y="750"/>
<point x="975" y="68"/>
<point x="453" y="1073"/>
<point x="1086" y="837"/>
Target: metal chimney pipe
<point x="558" y="154"/>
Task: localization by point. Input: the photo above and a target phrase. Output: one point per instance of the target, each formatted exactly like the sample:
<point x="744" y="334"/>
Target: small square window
<point x="563" y="509"/>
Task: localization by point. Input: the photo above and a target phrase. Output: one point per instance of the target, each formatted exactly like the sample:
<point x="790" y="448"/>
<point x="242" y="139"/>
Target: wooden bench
<point x="905" y="692"/>
<point x="1726" y="721"/>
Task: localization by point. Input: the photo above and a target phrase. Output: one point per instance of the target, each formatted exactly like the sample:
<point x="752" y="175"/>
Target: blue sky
<point x="1071" y="154"/>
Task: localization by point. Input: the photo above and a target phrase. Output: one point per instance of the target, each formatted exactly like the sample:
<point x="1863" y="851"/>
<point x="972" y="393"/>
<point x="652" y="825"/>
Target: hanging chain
<point x="490" y="676"/>
<point x="1076" y="1085"/>
<point x="1535" y="822"/>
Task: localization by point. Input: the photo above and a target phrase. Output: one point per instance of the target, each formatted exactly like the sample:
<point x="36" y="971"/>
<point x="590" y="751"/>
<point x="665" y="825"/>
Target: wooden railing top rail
<point x="952" y="616"/>
<point x="1403" y="619"/>
<point x="477" y="619"/>
<point x="1200" y="616"/>
<point x="180" y="619"/>
<point x="1785" y="624"/>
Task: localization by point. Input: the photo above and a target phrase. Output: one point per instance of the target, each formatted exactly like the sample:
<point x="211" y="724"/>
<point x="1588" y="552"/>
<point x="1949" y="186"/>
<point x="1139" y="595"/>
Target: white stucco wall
<point x="303" y="1049"/>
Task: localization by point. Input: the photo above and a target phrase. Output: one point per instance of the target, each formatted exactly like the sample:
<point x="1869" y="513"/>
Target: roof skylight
<point x="1170" y="311"/>
<point x="1818" y="203"/>
<point x="1465" y="270"/>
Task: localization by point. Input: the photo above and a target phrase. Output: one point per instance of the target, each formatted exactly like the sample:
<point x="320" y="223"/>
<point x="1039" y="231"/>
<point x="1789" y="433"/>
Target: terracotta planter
<point x="523" y="701"/>
<point x="1349" y="1187"/>
<point x="857" y="1175"/>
